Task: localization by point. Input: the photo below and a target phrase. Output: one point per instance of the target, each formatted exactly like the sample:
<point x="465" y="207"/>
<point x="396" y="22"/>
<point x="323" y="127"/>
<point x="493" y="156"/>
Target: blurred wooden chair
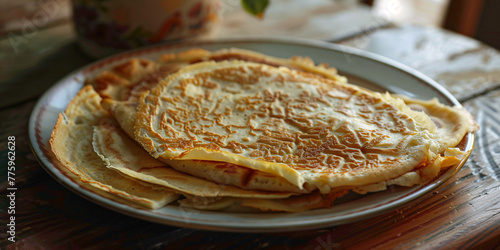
<point x="479" y="19"/>
<point x="463" y="16"/>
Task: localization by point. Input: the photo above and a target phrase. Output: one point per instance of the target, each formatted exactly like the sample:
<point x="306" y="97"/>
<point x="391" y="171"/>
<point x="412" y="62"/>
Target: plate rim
<point x="151" y="215"/>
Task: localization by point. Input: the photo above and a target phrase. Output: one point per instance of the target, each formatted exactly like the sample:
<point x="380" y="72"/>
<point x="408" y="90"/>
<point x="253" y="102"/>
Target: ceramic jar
<point x="105" y="27"/>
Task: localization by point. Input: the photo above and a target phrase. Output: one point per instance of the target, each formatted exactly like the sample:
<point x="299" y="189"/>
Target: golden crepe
<point x="71" y="143"/>
<point x="299" y="126"/>
<point x="235" y="128"/>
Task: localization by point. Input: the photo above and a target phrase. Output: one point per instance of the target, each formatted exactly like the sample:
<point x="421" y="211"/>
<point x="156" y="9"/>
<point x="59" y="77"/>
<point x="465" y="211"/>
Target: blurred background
<point x="478" y="19"/>
<point x="33" y="32"/>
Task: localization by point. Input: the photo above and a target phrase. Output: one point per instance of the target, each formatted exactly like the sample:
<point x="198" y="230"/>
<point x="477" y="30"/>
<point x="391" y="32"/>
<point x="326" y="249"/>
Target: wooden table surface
<point x="462" y="213"/>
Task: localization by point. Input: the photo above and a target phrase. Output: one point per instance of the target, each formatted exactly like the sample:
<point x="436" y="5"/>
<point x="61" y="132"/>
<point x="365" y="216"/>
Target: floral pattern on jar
<point x="108" y="26"/>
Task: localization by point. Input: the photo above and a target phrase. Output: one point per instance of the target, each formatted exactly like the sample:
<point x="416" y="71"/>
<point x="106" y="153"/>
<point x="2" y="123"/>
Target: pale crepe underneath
<point x="71" y="143"/>
<point x="121" y="153"/>
<point x="303" y="202"/>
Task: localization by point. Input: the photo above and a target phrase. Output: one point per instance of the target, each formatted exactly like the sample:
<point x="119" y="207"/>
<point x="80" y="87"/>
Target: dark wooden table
<point x="462" y="213"/>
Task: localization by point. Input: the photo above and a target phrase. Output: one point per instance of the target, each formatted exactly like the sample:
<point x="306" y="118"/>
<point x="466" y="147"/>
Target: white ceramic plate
<point x="362" y="68"/>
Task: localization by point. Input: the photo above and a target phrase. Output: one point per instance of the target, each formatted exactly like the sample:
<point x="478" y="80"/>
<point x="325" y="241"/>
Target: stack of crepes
<point x="238" y="130"/>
